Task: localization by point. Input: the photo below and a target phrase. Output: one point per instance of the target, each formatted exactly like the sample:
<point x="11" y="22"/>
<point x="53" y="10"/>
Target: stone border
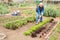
<point x="4" y="36"/>
<point x="47" y="37"/>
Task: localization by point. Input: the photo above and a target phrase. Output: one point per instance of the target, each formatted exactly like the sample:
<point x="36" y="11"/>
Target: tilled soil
<point x="43" y="32"/>
<point x="18" y="34"/>
<point x="58" y="37"/>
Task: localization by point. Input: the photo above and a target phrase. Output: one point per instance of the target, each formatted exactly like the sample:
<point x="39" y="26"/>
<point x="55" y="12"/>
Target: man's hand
<point x="42" y="13"/>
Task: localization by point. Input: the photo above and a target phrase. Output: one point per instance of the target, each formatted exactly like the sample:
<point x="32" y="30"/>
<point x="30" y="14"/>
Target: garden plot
<point x="44" y="31"/>
<point x="10" y="18"/>
<point x="6" y="19"/>
<point x="18" y="34"/>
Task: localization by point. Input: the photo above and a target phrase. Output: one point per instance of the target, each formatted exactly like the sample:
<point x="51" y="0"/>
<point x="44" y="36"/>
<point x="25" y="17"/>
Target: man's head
<point x="41" y="4"/>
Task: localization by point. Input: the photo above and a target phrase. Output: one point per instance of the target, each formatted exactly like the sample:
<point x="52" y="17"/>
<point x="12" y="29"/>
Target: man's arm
<point x="38" y="10"/>
<point x="42" y="11"/>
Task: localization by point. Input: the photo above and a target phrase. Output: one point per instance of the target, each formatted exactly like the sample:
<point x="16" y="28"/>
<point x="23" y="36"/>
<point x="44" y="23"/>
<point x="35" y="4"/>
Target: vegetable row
<point x="19" y="23"/>
<point x="36" y="27"/>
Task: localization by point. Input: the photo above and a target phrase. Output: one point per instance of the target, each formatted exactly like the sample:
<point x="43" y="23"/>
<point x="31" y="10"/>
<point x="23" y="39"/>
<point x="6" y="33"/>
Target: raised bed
<point x="36" y="27"/>
<point x="43" y="30"/>
<point x="19" y="23"/>
<point x="47" y="29"/>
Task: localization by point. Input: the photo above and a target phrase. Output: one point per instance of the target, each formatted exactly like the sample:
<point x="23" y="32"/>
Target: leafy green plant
<point x="27" y="33"/>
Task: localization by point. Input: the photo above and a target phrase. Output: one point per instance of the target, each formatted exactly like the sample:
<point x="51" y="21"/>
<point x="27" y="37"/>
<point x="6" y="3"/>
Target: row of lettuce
<point x="19" y="23"/>
<point x="36" y="27"/>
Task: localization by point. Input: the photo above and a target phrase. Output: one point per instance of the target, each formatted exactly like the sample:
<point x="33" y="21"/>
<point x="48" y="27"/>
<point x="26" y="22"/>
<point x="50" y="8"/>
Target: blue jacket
<point x="38" y="10"/>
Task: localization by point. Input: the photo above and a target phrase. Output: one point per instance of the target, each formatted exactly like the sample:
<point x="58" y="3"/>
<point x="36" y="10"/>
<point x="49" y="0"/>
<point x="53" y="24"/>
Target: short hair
<point x="41" y="3"/>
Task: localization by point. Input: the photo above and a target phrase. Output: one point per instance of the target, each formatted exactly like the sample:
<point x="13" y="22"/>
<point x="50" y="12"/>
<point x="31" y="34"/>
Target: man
<point x="40" y="12"/>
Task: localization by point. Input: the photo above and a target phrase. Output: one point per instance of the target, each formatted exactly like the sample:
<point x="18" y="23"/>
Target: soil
<point x="46" y="30"/>
<point x="18" y="34"/>
<point x="58" y="36"/>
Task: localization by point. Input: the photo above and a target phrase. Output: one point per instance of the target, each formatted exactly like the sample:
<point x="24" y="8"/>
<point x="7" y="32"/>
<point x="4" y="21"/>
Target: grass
<point x="55" y="35"/>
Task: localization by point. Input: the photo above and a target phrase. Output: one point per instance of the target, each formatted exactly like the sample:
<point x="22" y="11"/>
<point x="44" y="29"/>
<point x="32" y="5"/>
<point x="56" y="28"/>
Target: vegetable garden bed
<point x="36" y="27"/>
<point x="42" y="30"/>
<point x="18" y="34"/>
<point x="19" y="23"/>
<point x="9" y="19"/>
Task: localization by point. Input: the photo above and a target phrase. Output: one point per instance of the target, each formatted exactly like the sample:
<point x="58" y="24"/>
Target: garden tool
<point x="39" y="18"/>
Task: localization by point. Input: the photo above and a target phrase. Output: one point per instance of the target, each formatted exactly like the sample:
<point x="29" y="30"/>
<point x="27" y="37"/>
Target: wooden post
<point x="45" y="2"/>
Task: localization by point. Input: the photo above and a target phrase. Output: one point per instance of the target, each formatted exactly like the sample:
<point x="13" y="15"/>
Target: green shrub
<point x="50" y="12"/>
<point x="4" y="9"/>
<point x="37" y="2"/>
<point x="37" y="27"/>
<point x="12" y="4"/>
